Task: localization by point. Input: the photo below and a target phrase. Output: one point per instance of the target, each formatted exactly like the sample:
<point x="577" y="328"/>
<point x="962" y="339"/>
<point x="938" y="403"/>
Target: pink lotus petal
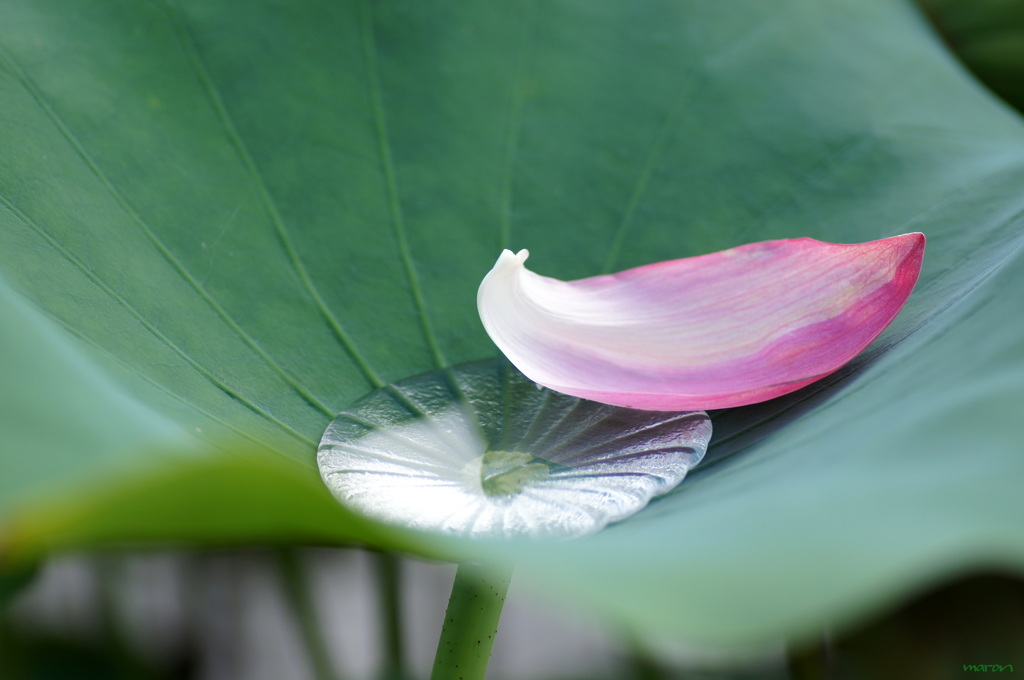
<point x="726" y="329"/>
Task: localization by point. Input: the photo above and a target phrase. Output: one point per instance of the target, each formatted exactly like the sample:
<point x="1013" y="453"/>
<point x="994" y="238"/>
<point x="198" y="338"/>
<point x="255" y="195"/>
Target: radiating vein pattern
<point x="160" y="246"/>
<point x="219" y="383"/>
<point x="470" y="460"/>
<point x="188" y="40"/>
<point x="387" y="161"/>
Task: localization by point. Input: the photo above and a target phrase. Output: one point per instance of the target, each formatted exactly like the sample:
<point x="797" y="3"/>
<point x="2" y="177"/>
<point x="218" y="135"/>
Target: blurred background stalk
<point x="303" y="607"/>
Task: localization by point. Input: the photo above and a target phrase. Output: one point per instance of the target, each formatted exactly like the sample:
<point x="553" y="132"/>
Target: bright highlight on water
<point x="485" y="453"/>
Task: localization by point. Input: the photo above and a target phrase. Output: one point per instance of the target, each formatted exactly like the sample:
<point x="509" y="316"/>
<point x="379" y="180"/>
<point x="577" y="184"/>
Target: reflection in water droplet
<point x="483" y="452"/>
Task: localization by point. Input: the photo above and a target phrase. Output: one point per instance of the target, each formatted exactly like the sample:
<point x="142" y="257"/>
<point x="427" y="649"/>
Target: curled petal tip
<point x="726" y="329"/>
<point x="508" y="262"/>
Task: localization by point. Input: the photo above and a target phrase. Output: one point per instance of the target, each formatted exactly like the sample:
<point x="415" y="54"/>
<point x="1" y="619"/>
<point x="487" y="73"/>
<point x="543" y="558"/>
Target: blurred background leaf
<point x="988" y="35"/>
<point x="221" y="227"/>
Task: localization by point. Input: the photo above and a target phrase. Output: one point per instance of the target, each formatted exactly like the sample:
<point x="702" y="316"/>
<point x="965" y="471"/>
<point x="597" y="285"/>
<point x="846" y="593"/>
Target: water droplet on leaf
<point x="481" y="451"/>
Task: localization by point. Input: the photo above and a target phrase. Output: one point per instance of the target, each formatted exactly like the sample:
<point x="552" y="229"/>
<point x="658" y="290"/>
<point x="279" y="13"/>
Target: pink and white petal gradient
<point x="726" y="329"/>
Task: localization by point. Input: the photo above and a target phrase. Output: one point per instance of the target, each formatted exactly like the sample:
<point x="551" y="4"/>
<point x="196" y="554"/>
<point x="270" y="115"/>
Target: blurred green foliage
<point x="988" y="35"/>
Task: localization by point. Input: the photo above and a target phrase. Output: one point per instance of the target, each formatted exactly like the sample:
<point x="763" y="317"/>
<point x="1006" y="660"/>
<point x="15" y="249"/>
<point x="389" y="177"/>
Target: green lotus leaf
<point x="221" y="226"/>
